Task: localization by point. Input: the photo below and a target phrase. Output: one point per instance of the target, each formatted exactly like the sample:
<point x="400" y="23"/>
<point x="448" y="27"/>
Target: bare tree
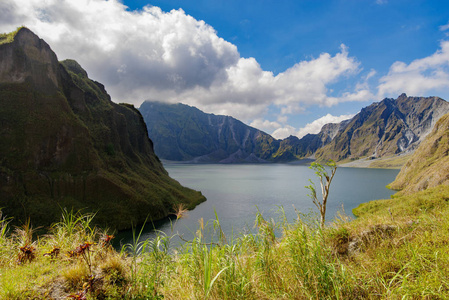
<point x="325" y="181"/>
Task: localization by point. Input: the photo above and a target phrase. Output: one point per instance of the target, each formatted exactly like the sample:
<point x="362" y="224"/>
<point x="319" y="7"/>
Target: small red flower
<point x="106" y="240"/>
<point x="83" y="248"/>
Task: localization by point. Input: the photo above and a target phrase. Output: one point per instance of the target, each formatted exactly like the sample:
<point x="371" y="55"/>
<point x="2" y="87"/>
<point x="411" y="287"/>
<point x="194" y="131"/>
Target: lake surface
<point x="236" y="192"/>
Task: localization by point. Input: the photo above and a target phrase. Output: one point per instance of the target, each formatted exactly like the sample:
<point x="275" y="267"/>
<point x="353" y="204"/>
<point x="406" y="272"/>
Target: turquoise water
<point x="236" y="192"/>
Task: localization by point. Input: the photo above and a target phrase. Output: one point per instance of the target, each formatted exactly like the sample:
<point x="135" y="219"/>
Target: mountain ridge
<point x="383" y="129"/>
<point x="65" y="144"/>
<point x="184" y="133"/>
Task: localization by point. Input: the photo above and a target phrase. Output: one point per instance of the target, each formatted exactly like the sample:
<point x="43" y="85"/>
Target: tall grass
<point x="5" y="243"/>
<point x="397" y="249"/>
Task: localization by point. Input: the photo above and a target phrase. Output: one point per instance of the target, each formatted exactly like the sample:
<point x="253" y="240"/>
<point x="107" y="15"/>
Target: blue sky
<point x="285" y="66"/>
<point x="281" y="33"/>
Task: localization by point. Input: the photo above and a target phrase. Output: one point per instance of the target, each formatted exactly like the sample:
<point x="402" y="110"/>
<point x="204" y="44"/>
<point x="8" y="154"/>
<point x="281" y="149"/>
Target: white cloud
<point x="371" y="73"/>
<point x="282" y="119"/>
<point x="160" y="51"/>
<point x="284" y="132"/>
<point x="362" y="92"/>
<point x="418" y="77"/>
<point x="265" y="125"/>
<point x="172" y="57"/>
<point x="444" y="27"/>
<point x="358" y="95"/>
<point x="305" y="83"/>
<point x="313" y="127"/>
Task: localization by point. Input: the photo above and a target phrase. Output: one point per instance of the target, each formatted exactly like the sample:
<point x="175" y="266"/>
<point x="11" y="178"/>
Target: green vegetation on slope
<point x="390" y="162"/>
<point x="6" y="38"/>
<point x="181" y="132"/>
<point x="184" y="133"/>
<point x="429" y="166"/>
<point x="66" y="144"/>
<point x="396" y="248"/>
<point x="384" y="129"/>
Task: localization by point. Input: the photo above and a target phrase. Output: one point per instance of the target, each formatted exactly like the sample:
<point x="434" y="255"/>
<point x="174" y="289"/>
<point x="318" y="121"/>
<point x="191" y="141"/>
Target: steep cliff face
<point x="66" y="144"/>
<point x="382" y="129"/>
<point x="429" y="165"/>
<point x="184" y="133"/>
<point x="385" y="128"/>
<point x="27" y="59"/>
<point x="329" y="131"/>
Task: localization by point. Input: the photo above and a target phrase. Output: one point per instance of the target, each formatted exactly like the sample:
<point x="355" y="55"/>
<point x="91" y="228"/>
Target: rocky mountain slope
<point x="429" y="165"/>
<point x="184" y="133"/>
<point x="385" y="128"/>
<point x="65" y="144"/>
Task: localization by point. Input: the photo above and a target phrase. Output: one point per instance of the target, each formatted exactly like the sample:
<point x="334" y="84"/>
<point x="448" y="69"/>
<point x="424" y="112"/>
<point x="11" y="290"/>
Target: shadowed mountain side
<point x="66" y="144"/>
<point x="184" y="133"/>
<point x="381" y="130"/>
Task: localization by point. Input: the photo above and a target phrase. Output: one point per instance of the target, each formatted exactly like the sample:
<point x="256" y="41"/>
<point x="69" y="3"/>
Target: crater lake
<point x="237" y="192"/>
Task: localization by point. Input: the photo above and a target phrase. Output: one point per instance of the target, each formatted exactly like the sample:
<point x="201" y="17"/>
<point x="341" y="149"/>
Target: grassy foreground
<point x="396" y="249"/>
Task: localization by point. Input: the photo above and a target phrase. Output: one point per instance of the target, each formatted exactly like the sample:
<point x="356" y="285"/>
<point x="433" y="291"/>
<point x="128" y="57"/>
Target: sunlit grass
<point x="396" y="249"/>
<point x="392" y="162"/>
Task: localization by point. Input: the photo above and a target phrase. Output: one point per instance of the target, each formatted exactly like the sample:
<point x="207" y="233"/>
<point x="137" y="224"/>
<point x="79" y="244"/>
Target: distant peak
<point x="26" y="57"/>
<point x="24" y="33"/>
<point x="23" y="29"/>
<point x="402" y="96"/>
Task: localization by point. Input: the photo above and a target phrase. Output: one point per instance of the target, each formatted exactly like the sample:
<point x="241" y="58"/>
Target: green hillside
<point x="384" y="129"/>
<point x="184" y="133"/>
<point x="395" y="249"/>
<point x="429" y="166"/>
<point x="66" y="144"/>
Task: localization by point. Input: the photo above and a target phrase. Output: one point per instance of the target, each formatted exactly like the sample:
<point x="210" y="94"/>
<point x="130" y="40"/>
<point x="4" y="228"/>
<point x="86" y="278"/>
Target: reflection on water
<point x="236" y="192"/>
